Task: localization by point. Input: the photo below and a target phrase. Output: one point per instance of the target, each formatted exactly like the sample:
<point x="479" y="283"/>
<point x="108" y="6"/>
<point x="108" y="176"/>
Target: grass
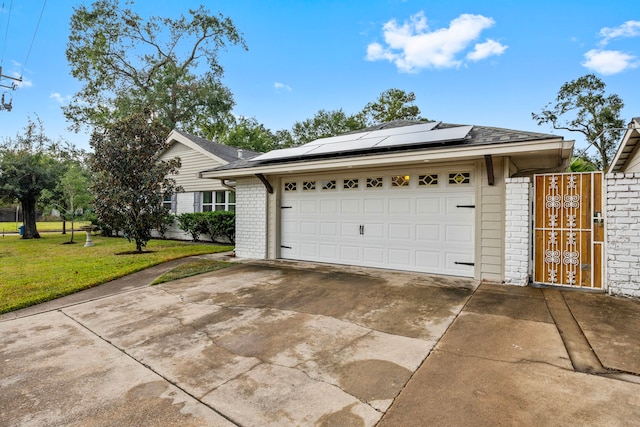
<point x="12" y="227"/>
<point x="191" y="269"/>
<point x="38" y="270"/>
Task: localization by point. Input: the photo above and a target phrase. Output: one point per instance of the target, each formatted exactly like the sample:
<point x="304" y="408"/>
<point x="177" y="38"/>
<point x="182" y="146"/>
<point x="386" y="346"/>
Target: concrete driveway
<point x="261" y="343"/>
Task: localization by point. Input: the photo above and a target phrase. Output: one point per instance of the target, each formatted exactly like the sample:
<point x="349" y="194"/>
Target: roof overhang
<point x="545" y="154"/>
<point x="628" y="147"/>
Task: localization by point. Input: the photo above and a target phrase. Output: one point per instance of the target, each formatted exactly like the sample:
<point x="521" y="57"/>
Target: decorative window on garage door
<point x="308" y="185"/>
<point x="428" y="180"/>
<point x="350" y="184"/>
<point x="459" y="178"/>
<point x="400" y="181"/>
<point x="329" y="184"/>
<point x="290" y="186"/>
<point x="374" y="182"/>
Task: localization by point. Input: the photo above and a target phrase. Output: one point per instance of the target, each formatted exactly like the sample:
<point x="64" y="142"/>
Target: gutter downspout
<point x="225" y="185"/>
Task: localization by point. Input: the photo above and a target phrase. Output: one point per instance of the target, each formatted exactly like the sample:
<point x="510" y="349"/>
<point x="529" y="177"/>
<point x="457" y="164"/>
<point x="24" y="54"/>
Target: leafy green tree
<point x="249" y="134"/>
<point x="583" y="106"/>
<point x="71" y="195"/>
<point x="128" y="64"/>
<point x="129" y="179"/>
<point x="581" y="164"/>
<point x="392" y="104"/>
<point x="324" y="124"/>
<point x="27" y="167"/>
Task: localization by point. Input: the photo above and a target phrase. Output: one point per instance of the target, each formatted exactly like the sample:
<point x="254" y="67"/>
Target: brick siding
<point x="251" y="218"/>
<point x="517" y="231"/>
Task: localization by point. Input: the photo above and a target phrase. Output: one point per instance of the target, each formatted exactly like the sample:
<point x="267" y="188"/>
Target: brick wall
<point x="251" y="219"/>
<point x="623" y="234"/>
<point x="517" y="231"/>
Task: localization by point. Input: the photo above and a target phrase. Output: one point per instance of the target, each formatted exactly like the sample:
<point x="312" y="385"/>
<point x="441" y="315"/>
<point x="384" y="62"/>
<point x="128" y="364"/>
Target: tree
<point x="324" y="124"/>
<point x="392" y="104"/>
<point x="247" y="133"/>
<point x="71" y="196"/>
<point x="130" y="180"/>
<point x="27" y="167"/>
<point x="582" y="106"/>
<point x="128" y="65"/>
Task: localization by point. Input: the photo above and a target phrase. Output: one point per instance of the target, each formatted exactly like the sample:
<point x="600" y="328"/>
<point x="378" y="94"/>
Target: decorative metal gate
<point x="569" y="229"/>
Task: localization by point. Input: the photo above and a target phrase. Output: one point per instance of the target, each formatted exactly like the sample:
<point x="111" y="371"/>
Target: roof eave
<point x="561" y="147"/>
<point x="628" y="145"/>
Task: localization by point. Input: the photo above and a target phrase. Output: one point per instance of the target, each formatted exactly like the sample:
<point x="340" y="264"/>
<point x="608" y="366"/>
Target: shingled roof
<point x="478" y="136"/>
<point x="225" y="152"/>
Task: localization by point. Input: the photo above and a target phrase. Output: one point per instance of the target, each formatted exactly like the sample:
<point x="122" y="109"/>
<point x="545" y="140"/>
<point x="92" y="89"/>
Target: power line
<point x="34" y="35"/>
<point x="6" y="32"/>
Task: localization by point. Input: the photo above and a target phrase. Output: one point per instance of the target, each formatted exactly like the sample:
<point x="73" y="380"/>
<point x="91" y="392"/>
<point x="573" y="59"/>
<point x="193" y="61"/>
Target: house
<point x="197" y="194"/>
<point x="623" y="215"/>
<point x="427" y="197"/>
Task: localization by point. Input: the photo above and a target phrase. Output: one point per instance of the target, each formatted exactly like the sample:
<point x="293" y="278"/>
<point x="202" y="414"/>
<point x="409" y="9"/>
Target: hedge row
<point x="216" y="224"/>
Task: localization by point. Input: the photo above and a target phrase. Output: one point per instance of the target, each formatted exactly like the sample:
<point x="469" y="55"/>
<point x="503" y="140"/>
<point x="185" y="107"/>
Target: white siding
<point x="491" y="230"/>
<point x="192" y="162"/>
<point x="633" y="164"/>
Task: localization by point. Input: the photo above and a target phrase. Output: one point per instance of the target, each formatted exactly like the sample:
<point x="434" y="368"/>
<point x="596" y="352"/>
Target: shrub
<point x="189" y="223"/>
<point x="221" y="224"/>
<point x="216" y="224"/>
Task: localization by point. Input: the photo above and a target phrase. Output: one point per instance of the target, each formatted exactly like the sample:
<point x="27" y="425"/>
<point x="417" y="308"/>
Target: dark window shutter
<point x="174" y="203"/>
<point x="197" y="206"/>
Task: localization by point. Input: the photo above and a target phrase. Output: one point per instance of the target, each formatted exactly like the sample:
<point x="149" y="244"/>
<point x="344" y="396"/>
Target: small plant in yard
<point x="217" y="224"/>
<point x="191" y="269"/>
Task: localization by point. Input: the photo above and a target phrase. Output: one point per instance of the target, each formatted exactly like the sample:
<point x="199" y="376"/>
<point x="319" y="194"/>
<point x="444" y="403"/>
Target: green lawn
<point x="12" y="227"/>
<point x="34" y="271"/>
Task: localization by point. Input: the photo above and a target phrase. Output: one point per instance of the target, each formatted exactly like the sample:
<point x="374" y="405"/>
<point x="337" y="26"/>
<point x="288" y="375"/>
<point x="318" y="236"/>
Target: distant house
<point x="197" y="194"/>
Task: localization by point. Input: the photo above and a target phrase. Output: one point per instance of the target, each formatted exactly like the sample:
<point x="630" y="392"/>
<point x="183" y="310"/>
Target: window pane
<point x="232" y="196"/>
<point x="219" y="207"/>
<point x="206" y="208"/>
<point x="220" y="196"/>
<point x="207" y="197"/>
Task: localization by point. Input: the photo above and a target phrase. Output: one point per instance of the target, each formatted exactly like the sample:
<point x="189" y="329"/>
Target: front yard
<point x="34" y="271"/>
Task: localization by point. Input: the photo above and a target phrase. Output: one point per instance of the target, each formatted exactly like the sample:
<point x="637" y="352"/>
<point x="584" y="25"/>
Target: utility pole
<point x="7" y="105"/>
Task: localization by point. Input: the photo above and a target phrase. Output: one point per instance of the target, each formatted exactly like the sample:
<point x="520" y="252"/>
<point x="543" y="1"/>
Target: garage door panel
<point x="431" y="261"/>
<point x="399" y="206"/>
<point x="308" y="207"/>
<point x="309" y="250"/>
<point x="428" y="233"/>
<point x="459" y="206"/>
<point x="429" y="206"/>
<point x="458" y="233"/>
<point x="400" y="231"/>
<point x="373" y="256"/>
<point x="374" y="206"/>
<point x="328" y="229"/>
<point x="350" y="253"/>
<point x="328" y="252"/>
<point x="308" y="228"/>
<point x="373" y="231"/>
<point x="349" y="229"/>
<point x="350" y="206"/>
<point x="400" y="257"/>
<point x="328" y="206"/>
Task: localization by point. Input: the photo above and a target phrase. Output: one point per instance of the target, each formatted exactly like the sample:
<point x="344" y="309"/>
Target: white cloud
<point x="59" y="98"/>
<point x="628" y="29"/>
<point x="282" y="86"/>
<point x="609" y="61"/>
<point x="412" y="45"/>
<point x="485" y="50"/>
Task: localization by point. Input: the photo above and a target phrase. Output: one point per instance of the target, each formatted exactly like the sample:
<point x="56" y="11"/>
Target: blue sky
<point x="488" y="63"/>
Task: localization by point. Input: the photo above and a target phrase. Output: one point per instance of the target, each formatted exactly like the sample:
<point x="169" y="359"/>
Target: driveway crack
<point x="148" y="367"/>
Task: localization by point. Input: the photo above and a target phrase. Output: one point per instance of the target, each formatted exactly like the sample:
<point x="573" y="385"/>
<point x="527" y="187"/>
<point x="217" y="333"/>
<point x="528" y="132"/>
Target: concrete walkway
<point x="282" y="343"/>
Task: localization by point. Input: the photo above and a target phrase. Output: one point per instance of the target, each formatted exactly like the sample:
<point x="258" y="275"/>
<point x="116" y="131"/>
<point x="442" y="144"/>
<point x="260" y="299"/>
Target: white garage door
<point x="409" y="221"/>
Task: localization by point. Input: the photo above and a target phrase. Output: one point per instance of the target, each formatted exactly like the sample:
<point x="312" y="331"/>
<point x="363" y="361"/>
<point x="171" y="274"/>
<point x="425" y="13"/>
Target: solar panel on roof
<point x="391" y="137"/>
<point x="437" y="135"/>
